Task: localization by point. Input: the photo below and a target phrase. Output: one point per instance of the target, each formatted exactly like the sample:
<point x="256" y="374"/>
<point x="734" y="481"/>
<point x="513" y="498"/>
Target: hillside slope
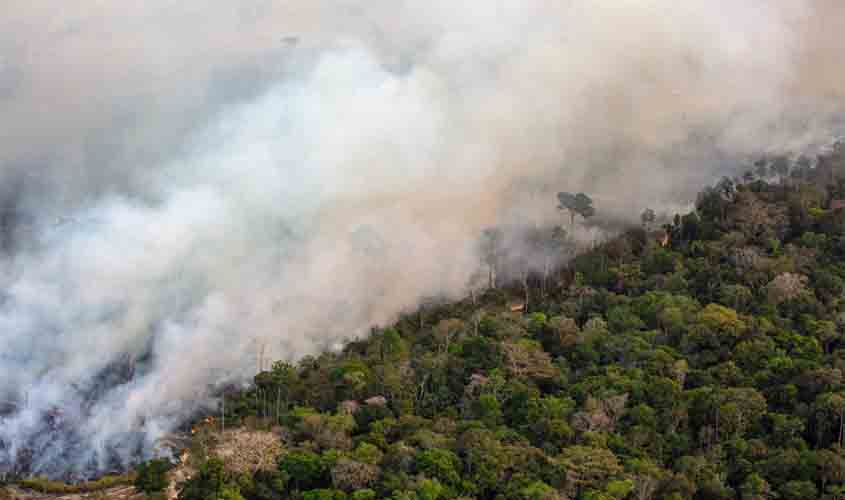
<point x="704" y="360"/>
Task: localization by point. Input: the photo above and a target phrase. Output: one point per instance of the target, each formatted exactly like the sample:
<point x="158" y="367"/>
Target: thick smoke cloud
<point x="199" y="181"/>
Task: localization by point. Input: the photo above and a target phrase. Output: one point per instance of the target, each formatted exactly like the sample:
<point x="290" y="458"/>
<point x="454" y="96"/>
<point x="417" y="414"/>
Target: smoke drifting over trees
<point x="197" y="186"/>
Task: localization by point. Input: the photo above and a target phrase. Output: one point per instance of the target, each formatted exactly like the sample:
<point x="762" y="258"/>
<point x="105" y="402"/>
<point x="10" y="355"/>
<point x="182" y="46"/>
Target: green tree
<point x="647" y="477"/>
<point x="210" y="483"/>
<point x="323" y="494"/>
<point x="440" y="464"/>
<point x="538" y="490"/>
<point x="306" y="469"/>
<point x="832" y="406"/>
<point x="576" y="204"/>
<point x="755" y="488"/>
<point x="798" y="490"/>
<point x="365" y="494"/>
<point x="151" y="476"/>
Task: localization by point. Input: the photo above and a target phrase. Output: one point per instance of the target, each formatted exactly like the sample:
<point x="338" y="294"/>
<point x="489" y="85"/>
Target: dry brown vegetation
<point x="248" y="451"/>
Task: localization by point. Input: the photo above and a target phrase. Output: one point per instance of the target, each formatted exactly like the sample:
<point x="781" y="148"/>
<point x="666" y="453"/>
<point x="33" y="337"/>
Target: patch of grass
<point x="44" y="485"/>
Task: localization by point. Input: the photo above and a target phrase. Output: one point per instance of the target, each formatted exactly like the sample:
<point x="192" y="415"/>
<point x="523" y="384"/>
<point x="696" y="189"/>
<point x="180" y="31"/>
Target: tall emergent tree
<point x="576" y="204"/>
<point x="492" y="250"/>
<point x="647" y="218"/>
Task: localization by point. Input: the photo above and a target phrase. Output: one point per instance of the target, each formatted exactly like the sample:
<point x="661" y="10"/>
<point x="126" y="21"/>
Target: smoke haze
<point x="199" y="179"/>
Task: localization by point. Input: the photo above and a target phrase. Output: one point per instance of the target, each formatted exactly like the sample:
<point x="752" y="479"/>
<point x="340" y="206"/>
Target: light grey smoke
<point x="203" y="186"/>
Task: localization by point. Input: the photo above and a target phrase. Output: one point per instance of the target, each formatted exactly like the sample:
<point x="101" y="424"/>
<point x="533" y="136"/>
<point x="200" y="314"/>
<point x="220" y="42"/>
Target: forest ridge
<point x="698" y="360"/>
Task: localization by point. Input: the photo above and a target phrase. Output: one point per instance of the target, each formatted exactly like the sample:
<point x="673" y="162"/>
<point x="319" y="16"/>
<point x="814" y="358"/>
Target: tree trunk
<point x="545" y="276"/>
<point x="525" y="289"/>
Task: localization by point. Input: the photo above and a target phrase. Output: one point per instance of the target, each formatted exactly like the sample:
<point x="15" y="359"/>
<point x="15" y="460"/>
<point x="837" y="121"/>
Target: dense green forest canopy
<point x="704" y="360"/>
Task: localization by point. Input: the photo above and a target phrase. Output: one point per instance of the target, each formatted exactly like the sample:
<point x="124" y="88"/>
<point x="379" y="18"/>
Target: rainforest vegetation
<point x="698" y="360"/>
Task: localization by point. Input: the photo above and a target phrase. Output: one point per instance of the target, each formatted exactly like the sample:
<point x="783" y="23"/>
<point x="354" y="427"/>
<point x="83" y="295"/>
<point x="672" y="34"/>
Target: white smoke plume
<point x="204" y="178"/>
